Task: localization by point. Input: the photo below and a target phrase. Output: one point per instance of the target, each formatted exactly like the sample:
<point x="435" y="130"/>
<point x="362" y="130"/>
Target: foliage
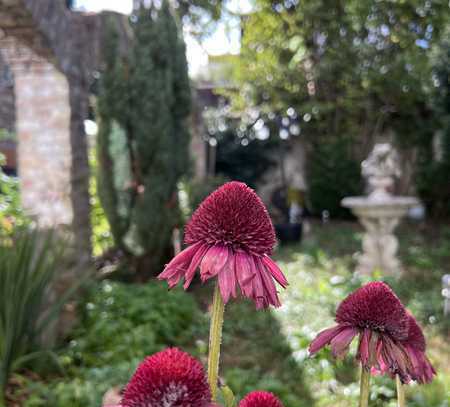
<point x="120" y="325"/>
<point x="12" y="215"/>
<point x="143" y="141"/>
<point x="333" y="175"/>
<point x="245" y="150"/>
<point x="123" y="323"/>
<point x="28" y="264"/>
<point x="355" y="70"/>
<point x="434" y="152"/>
<point x="101" y="232"/>
<point x="6" y="135"/>
<point x="251" y="337"/>
<point x="243" y="162"/>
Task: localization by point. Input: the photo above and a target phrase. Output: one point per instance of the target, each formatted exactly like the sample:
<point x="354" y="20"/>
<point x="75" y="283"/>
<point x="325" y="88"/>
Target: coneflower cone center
<point x="375" y="307"/>
<point x="170" y="378"/>
<point x="234" y="216"/>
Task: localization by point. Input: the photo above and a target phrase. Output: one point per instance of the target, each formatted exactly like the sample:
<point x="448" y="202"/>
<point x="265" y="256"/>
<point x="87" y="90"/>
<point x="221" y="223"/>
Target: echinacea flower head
<point x="376" y="315"/>
<point x="260" y="399"/>
<point x="170" y="378"/>
<point x="415" y="345"/>
<point x="230" y="236"/>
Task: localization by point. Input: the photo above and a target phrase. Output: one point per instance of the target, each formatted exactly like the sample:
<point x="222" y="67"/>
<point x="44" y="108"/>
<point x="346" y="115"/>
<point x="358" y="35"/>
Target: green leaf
<point x="228" y="396"/>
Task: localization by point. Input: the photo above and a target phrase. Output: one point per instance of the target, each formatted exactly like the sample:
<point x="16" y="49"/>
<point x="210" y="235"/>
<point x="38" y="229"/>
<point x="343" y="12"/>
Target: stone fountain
<point x="380" y="211"/>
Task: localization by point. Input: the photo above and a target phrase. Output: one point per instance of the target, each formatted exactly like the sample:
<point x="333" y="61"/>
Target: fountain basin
<point x="379" y="213"/>
<point x="380" y="207"/>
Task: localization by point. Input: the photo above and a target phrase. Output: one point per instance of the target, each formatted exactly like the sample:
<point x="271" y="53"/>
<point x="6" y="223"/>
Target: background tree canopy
<point x="353" y="71"/>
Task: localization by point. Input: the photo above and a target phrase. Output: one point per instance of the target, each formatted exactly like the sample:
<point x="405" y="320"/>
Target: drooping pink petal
<point x="422" y="370"/>
<point x="195" y="263"/>
<point x="178" y="265"/>
<point x="340" y="342"/>
<point x="395" y="358"/>
<point x="258" y="288"/>
<point x="324" y="338"/>
<point x="428" y="371"/>
<point x="277" y="274"/>
<point x="227" y="280"/>
<point x="363" y="349"/>
<point x="414" y="356"/>
<point x="244" y="272"/>
<point x="214" y="261"/>
<point x="268" y="284"/>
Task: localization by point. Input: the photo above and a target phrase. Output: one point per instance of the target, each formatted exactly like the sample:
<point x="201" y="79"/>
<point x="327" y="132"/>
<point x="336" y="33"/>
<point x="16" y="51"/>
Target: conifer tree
<point x="144" y="105"/>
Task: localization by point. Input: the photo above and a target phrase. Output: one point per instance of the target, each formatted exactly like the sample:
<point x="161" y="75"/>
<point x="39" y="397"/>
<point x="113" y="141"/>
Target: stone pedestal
<point x="379" y="246"/>
<point x="380" y="213"/>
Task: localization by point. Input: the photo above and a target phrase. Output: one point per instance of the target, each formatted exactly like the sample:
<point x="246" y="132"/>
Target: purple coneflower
<point x="260" y="399"/>
<point x="376" y="315"/>
<point x="170" y="378"/>
<point x="230" y="236"/>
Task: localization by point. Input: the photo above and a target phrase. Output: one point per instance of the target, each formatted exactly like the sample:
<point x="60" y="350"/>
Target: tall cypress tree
<point x="144" y="105"/>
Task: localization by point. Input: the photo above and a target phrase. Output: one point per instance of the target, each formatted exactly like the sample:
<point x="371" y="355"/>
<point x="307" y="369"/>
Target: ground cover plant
<point x="264" y="350"/>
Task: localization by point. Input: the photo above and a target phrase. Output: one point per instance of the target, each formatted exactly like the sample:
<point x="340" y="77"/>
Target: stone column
<point x="46" y="157"/>
<point x="43" y="120"/>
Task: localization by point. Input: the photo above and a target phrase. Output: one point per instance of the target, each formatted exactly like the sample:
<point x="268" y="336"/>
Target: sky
<point x="223" y="40"/>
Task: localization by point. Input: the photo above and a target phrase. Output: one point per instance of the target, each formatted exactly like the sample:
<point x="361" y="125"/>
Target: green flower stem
<point x="215" y="340"/>
<point x="364" y="387"/>
<point x="401" y="399"/>
<point x="365" y="372"/>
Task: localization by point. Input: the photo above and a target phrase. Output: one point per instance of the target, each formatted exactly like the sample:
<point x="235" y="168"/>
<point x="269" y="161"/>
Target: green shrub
<point x="120" y="325"/>
<point x="122" y="322"/>
<point x="333" y="175"/>
<point x="12" y="215"/>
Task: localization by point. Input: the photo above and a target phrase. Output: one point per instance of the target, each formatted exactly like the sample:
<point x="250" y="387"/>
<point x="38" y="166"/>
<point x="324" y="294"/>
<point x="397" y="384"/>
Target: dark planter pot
<point x="289" y="232"/>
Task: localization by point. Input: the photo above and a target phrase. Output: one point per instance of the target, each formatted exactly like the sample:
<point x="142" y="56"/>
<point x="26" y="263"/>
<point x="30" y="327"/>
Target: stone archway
<point x="44" y="45"/>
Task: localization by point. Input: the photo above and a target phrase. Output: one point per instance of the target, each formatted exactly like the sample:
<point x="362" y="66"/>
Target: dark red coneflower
<point x="170" y="378"/>
<point x="230" y="236"/>
<point x="376" y="315"/>
<point x="260" y="399"/>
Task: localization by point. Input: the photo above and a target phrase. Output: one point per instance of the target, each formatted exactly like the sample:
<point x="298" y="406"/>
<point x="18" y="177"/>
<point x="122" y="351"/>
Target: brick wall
<point x="44" y="149"/>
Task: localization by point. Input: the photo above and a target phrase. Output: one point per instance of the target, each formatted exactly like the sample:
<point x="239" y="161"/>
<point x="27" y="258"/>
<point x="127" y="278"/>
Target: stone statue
<point x="380" y="169"/>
